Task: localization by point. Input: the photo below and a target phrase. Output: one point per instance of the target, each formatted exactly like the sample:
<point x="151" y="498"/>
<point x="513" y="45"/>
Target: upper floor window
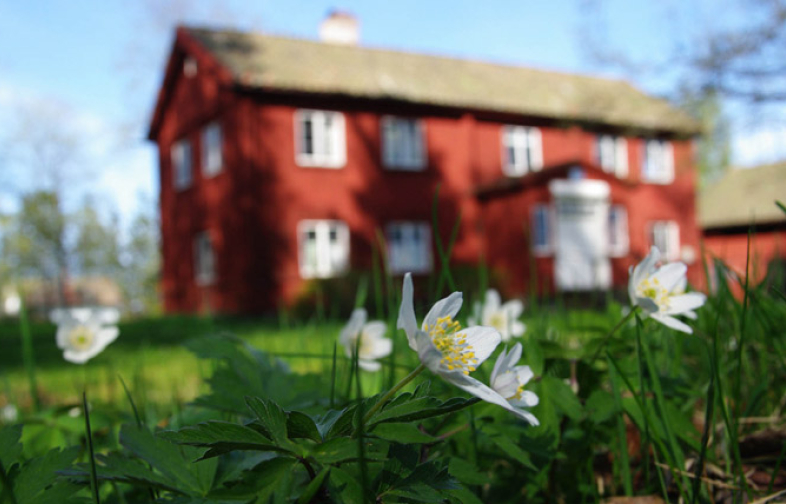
<point x="212" y="158"/>
<point x="409" y="247"/>
<point x="658" y="164"/>
<point x="612" y="154"/>
<point x="323" y="247"/>
<point x="618" y="231"/>
<point x="523" y="151"/>
<point x="320" y="139"/>
<point x="666" y="236"/>
<point x="181" y="164"/>
<point x="541" y="229"/>
<point x="204" y="259"/>
<point x="402" y="143"/>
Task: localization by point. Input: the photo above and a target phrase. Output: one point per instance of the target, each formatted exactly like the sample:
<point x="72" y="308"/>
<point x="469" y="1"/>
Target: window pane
<point x="308" y="135"/>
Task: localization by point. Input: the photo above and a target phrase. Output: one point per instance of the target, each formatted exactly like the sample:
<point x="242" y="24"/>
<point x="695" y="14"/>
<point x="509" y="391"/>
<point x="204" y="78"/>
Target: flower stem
<point x="614" y="329"/>
<point x="387" y="397"/>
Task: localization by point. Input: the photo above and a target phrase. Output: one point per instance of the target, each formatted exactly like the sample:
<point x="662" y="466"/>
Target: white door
<point x="581" y="259"/>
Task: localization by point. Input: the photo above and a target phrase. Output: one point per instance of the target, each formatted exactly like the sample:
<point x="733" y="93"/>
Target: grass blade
<point x="89" y="434"/>
<point x="131" y="401"/>
<point x="28" y="356"/>
<point x="624" y="463"/>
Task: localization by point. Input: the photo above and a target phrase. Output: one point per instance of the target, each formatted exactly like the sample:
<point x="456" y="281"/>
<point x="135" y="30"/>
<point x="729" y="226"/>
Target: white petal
<point x="685" y="302"/>
<point x="351" y="331"/>
<point x="80" y="356"/>
<point x="523" y="374"/>
<point x="642" y="271"/>
<point x="446" y="307"/>
<point x="406" y="313"/>
<point x="505" y="384"/>
<point x="379" y="348"/>
<point x="669" y="275"/>
<point x="375" y="329"/>
<point x="483" y="340"/>
<point x="427" y="352"/>
<point x="493" y="300"/>
<point x="673" y="323"/>
<point x="106" y="336"/>
<point x="471" y="322"/>
<point x="514" y="308"/>
<point x="369" y="365"/>
<point x="518" y="328"/>
<point x="648" y="305"/>
<point x="108" y="316"/>
<point x="690" y="314"/>
<point x="528" y="400"/>
<point x="485" y="393"/>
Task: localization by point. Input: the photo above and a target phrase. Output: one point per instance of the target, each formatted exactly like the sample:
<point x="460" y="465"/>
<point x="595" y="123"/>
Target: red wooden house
<point x="282" y="159"/>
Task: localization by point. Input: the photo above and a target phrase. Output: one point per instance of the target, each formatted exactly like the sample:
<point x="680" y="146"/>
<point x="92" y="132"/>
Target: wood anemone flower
<point x="448" y="350"/>
<point x="368" y="338"/>
<point x="504" y="317"/>
<point x="83" y="333"/>
<point x="659" y="291"/>
<point x="508" y="380"/>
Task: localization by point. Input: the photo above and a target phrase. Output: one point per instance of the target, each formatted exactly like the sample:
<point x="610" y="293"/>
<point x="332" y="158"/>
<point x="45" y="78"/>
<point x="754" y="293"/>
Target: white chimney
<point x="340" y="28"/>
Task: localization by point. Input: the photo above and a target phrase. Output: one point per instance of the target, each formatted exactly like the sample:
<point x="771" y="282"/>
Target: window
<point x="402" y="144"/>
<point x="666" y="236"/>
<point x="541" y="230"/>
<point x="612" y="154"/>
<point x="409" y="247"/>
<point x="522" y="150"/>
<point x="618" y="231"/>
<point x="324" y="248"/>
<point x="204" y="259"/>
<point x="319" y="139"/>
<point x="658" y="164"/>
<point x="212" y="158"/>
<point x="181" y="164"/>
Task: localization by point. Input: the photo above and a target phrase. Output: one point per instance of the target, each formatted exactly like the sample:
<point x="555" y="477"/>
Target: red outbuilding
<point x="283" y="161"/>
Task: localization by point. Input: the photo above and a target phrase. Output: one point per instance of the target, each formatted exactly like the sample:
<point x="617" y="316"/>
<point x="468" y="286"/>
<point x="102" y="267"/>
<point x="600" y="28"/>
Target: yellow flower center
<point x="456" y="353"/>
<point x="518" y="394"/>
<point x="654" y="290"/>
<point x="80" y="337"/>
<point x="497" y="321"/>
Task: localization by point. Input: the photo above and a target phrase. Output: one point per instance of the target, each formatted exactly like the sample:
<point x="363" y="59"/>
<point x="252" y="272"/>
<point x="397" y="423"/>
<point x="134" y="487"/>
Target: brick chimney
<point x="340" y="28"/>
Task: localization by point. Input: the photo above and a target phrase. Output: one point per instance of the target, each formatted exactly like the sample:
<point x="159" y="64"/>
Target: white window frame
<point x="666" y="236"/>
<point x="411" y="252"/>
<point x="542" y="214"/>
<point x="526" y="145"/>
<point x="182" y="156"/>
<point x="212" y="149"/>
<point x="619" y="238"/>
<point x="612" y="154"/>
<point x="330" y="259"/>
<point x="204" y="259"/>
<point x="403" y="143"/>
<point x="328" y="143"/>
<point x="657" y="165"/>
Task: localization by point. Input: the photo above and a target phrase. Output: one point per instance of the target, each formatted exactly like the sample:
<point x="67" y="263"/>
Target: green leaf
<point x="300" y="425"/>
<point x="509" y="446"/>
<point x="600" y="406"/>
<point x="346" y="449"/>
<point x="464" y="496"/>
<point x="116" y="467"/>
<point x="31" y="480"/>
<point x="344" y="487"/>
<point x="466" y="472"/>
<point x="10" y="447"/>
<point x="175" y="462"/>
<point x="313" y="487"/>
<point x="781" y="206"/>
<point x="272" y="418"/>
<point x="265" y="480"/>
<point x="220" y="437"/>
<point x="411" y="409"/>
<point x="402" y="433"/>
<point x="561" y="396"/>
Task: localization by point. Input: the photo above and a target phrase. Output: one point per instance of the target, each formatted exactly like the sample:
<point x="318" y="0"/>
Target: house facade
<point x="285" y="161"/>
<point x="743" y="201"/>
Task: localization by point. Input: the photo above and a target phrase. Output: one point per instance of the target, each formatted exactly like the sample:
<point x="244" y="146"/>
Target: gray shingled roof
<point x="743" y="196"/>
<point x="268" y="62"/>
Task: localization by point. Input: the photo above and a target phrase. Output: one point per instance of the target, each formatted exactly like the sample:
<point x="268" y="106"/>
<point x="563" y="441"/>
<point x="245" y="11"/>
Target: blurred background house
<point x="280" y="160"/>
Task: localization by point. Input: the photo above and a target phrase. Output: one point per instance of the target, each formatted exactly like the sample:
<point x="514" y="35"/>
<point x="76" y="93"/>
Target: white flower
<point x="659" y="291"/>
<point x="503" y="317"/>
<point x="508" y="381"/>
<point x="449" y="351"/>
<point x="82" y="333"/>
<point x="370" y="338"/>
<point x="9" y="413"/>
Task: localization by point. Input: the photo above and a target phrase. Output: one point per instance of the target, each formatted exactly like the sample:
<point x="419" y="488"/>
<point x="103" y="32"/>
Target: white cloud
<point x="759" y="146"/>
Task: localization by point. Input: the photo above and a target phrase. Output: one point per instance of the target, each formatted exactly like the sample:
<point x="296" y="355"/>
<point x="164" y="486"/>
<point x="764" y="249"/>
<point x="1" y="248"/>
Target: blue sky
<point x="99" y="62"/>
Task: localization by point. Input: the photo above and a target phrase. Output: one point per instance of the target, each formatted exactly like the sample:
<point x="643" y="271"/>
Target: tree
<point x="97" y="246"/>
<point x="713" y="154"/>
<point x="141" y="261"/>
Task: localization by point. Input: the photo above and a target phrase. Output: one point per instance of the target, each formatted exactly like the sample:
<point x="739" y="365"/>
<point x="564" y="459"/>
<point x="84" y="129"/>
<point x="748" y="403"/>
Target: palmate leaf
<point x="37" y="480"/>
<point x="175" y="462"/>
<point x="221" y="437"/>
<point x="271" y="477"/>
<point x="402" y="433"/>
<point x="10" y="447"/>
<point x="345" y="449"/>
<point x="272" y="418"/>
<point x="119" y="468"/>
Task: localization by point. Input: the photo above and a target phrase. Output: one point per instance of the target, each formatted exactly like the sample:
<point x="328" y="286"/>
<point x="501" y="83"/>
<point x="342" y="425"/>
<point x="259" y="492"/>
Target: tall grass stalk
<point x="444" y="254"/>
<point x="624" y="464"/>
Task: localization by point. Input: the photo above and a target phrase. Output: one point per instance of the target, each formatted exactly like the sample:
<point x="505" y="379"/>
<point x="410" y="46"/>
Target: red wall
<point x="732" y="249"/>
<point x="252" y="208"/>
